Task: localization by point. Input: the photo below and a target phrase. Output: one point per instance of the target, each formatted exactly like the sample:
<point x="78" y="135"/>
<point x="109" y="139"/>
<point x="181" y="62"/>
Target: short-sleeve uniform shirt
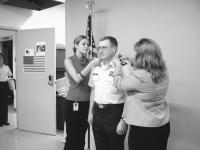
<point x="101" y="79"/>
<point x="5" y="73"/>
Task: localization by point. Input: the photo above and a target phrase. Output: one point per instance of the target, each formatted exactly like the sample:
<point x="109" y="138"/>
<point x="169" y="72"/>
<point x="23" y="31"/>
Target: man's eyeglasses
<point x="103" y="47"/>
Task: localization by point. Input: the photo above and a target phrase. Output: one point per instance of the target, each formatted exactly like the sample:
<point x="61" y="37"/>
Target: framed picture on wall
<point x="40" y="48"/>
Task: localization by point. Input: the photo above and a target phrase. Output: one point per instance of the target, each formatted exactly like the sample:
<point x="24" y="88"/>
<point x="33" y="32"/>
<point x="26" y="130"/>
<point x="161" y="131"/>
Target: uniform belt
<point x="104" y="106"/>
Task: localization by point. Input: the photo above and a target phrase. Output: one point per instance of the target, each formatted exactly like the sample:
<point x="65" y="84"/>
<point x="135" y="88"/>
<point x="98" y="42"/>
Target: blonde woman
<point x="78" y="96"/>
<point x="145" y="84"/>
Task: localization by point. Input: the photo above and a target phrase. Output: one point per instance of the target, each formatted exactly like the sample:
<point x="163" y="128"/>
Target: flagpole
<point x="90" y="5"/>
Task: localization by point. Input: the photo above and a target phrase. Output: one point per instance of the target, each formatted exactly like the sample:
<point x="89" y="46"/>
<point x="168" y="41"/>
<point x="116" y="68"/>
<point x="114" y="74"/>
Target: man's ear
<point x="115" y="49"/>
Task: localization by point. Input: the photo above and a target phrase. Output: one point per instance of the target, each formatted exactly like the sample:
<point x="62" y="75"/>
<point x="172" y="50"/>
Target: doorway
<point x="7" y="48"/>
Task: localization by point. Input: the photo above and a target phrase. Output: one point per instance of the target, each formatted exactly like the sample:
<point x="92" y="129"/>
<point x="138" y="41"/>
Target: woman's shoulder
<point x="68" y="62"/>
<point x="69" y="59"/>
<point x="140" y="73"/>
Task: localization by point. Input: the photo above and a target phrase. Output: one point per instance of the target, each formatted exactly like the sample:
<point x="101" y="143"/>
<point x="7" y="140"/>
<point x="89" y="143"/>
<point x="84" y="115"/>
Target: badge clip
<point x="75" y="106"/>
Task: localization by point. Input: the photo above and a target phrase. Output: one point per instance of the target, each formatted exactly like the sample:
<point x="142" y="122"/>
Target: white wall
<point x="52" y="17"/>
<point x="174" y="24"/>
<point x="29" y="19"/>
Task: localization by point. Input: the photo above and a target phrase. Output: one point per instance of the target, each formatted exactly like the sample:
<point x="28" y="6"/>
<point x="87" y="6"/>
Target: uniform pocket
<point x="95" y="78"/>
<point x="109" y="79"/>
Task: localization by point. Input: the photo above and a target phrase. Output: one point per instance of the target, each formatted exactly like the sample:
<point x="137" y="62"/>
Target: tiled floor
<point x="13" y="139"/>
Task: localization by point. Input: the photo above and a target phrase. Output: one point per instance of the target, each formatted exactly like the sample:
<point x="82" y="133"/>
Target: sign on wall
<point x="35" y="60"/>
<point x="29" y="52"/>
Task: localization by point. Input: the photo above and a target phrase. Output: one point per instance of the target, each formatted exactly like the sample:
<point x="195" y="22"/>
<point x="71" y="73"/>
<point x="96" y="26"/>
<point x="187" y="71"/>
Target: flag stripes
<point x="34" y="63"/>
<point x="89" y="34"/>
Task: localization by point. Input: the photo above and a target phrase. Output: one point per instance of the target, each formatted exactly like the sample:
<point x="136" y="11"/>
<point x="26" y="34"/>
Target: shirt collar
<point x="102" y="65"/>
<point x="2" y="66"/>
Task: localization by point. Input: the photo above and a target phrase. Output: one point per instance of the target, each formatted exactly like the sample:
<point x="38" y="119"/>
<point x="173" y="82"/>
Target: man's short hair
<point x="112" y="40"/>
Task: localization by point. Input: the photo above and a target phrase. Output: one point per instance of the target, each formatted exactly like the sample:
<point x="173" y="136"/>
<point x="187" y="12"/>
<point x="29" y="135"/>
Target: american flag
<point x="91" y="53"/>
<point x="34" y="63"/>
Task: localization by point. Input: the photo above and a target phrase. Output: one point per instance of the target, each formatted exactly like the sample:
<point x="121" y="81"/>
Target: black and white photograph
<point x="99" y="75"/>
<point x="40" y="48"/>
<point x="29" y="52"/>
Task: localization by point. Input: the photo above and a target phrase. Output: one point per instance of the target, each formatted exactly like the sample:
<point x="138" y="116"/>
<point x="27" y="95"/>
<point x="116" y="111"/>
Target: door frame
<point x="13" y="32"/>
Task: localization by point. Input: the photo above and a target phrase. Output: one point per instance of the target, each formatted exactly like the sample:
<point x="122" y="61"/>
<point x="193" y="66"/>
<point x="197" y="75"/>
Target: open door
<point x="36" y="74"/>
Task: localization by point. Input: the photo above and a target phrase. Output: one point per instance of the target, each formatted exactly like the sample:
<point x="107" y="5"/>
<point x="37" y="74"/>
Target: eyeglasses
<point x="103" y="47"/>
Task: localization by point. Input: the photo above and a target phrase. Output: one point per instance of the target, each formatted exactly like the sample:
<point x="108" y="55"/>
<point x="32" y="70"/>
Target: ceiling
<point x="32" y="4"/>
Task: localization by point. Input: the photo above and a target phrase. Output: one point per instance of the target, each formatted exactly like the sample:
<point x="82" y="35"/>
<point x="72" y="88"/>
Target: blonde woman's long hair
<point x="149" y="57"/>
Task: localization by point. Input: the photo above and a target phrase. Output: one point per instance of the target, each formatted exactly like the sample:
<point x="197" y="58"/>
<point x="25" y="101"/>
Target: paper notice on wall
<point x="29" y="52"/>
<point x="40" y="48"/>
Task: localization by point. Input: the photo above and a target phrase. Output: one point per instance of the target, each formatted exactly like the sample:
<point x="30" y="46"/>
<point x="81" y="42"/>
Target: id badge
<point x="75" y="106"/>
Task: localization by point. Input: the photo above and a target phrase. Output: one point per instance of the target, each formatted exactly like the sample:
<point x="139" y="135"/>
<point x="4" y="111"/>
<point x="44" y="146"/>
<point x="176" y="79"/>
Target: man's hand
<point x="121" y="127"/>
<point x="116" y="62"/>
